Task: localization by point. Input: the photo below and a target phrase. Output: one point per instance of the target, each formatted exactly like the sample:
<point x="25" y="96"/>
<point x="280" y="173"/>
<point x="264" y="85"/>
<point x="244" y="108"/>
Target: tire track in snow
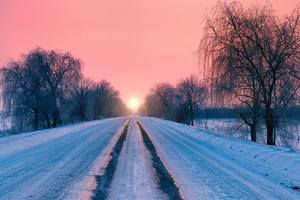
<point x="104" y="180"/>
<point x="240" y="168"/>
<point x="165" y="180"/>
<point x="48" y="169"/>
<point x="135" y="176"/>
<point x="206" y="168"/>
<point x="21" y="166"/>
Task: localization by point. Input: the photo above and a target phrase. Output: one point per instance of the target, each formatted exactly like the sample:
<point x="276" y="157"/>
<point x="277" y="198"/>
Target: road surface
<point x="64" y="163"/>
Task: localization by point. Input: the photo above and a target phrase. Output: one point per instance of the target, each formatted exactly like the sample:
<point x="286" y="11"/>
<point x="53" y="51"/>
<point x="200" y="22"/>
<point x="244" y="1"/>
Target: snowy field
<point x="63" y="163"/>
<point x="288" y="135"/>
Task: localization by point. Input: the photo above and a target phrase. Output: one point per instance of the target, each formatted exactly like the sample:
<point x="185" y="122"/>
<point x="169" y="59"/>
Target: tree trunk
<point x="253" y="132"/>
<point x="274" y="137"/>
<point x="254" y="124"/>
<point x="82" y="115"/>
<point x="255" y="112"/>
<point x="270" y="134"/>
<point x="270" y="126"/>
<point x="56" y="118"/>
<point x="192" y="117"/>
<point x="47" y="120"/>
<point x="206" y="118"/>
<point x="36" y="119"/>
<point x="54" y="123"/>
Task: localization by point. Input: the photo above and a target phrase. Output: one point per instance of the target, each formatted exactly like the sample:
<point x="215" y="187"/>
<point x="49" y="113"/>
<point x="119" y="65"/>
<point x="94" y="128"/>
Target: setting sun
<point x="134" y="104"/>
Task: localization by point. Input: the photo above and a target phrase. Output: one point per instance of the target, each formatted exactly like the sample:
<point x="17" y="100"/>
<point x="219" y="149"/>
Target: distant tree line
<point x="188" y="100"/>
<point x="44" y="89"/>
<point x="180" y="103"/>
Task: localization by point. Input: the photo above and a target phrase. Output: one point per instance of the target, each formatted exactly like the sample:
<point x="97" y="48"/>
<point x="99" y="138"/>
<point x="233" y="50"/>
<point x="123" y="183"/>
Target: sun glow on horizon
<point x="134" y="104"/>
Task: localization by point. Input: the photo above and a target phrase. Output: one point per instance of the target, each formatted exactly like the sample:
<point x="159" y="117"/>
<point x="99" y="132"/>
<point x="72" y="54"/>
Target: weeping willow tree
<point x="35" y="86"/>
<point x="254" y="56"/>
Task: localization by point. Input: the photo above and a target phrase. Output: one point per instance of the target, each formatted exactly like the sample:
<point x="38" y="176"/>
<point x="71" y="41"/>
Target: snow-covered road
<point x="134" y="177"/>
<point x="46" y="165"/>
<point x="205" y="170"/>
<point x="66" y="162"/>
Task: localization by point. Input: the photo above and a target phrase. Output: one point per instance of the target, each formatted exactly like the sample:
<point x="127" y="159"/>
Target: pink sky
<point x="133" y="44"/>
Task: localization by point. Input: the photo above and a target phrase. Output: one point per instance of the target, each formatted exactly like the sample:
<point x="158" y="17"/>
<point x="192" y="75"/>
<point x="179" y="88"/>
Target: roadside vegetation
<point x="46" y="88"/>
<point x="250" y="61"/>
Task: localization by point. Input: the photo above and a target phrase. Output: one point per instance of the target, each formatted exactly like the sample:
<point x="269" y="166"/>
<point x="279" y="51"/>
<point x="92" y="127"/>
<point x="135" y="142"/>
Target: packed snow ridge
<point x="64" y="163"/>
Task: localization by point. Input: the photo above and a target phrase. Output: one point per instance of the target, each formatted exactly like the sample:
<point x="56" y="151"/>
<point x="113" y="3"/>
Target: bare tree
<point x="167" y="97"/>
<point x="115" y="108"/>
<point x="103" y="93"/>
<point x="80" y="93"/>
<point x="191" y="95"/>
<point x="254" y="55"/>
<point x="35" y="68"/>
<point x="64" y="71"/>
<point x="35" y="86"/>
<point x="152" y="106"/>
<point x="24" y="89"/>
<point x="43" y="87"/>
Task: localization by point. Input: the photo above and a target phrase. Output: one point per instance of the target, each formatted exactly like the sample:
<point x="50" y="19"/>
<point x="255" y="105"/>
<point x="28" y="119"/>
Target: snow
<point x="47" y="164"/>
<point x="62" y="163"/>
<point x="134" y="177"/>
<point x="213" y="167"/>
<point x="287" y="134"/>
<point x="15" y="143"/>
<point x="226" y="127"/>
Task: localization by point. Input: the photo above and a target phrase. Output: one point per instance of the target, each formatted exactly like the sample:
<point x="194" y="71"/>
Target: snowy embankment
<point x="50" y="164"/>
<point x="208" y="166"/>
<point x="282" y="158"/>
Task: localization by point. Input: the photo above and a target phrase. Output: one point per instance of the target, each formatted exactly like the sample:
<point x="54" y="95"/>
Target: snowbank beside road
<point x="209" y="166"/>
<point x="281" y="158"/>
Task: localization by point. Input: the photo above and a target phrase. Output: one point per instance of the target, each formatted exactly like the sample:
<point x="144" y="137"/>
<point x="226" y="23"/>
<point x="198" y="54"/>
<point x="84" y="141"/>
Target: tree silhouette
<point x="254" y="55"/>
